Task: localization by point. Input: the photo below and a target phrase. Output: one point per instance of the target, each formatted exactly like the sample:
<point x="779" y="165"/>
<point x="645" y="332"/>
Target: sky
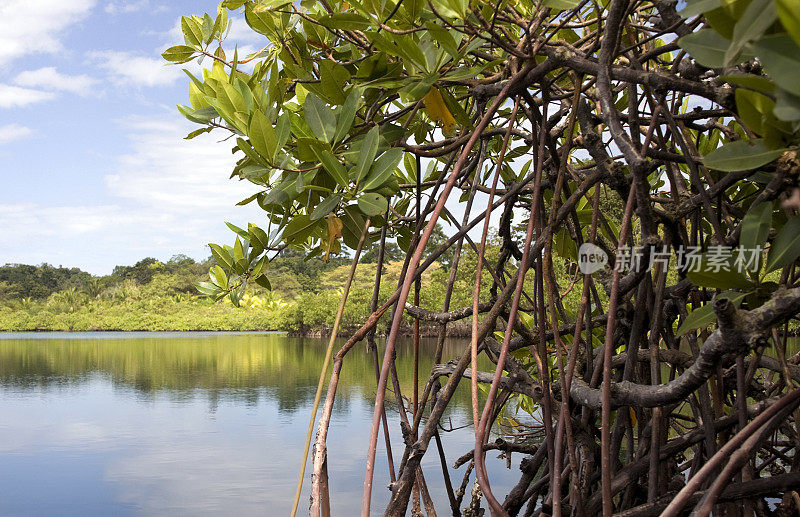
<point x="94" y="170"/>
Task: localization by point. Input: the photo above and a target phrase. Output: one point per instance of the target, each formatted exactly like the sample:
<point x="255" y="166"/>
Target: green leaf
<point x="221" y="256"/>
<point x="741" y="155"/>
<point x="417" y="89"/>
<point x="443" y="38"/>
<point x="262" y="136"/>
<point x="326" y="206"/>
<point x="564" y="246"/>
<point x="233" y="4"/>
<point x="299" y="229"/>
<point x="789" y="14"/>
<point x="192" y="32"/>
<point x="444" y="8"/>
<point x="197" y="132"/>
<point x="345" y="21"/>
<point x="280" y="194"/>
<point x="200" y="116"/>
<point x="218" y="276"/>
<point x="265" y="6"/>
<point x="695" y="7"/>
<point x="759" y="16"/>
<point x="755" y="226"/>
<point x="562" y="4"/>
<point x="207" y="288"/>
<point x="221" y="22"/>
<point x="251" y="153"/>
<point x="366" y="154"/>
<point x="459" y="6"/>
<point x="178" y="54"/>
<point x="705" y="276"/>
<point x="320" y="118"/>
<point x="706" y="46"/>
<point x="333" y="81"/>
<point x="723" y="19"/>
<point x="463" y="73"/>
<point x="253" y="172"/>
<point x="259" y="21"/>
<point x="404" y="237"/>
<point x="249" y="199"/>
<point x="258" y="236"/>
<point x="207" y="28"/>
<point x="383" y="169"/>
<point x="346" y="115"/>
<point x="352" y="225"/>
<point x="264" y="282"/>
<point x="787" y="106"/>
<point x="781" y="58"/>
<point x="786" y="247"/>
<point x="235" y="98"/>
<point x="234" y="296"/>
<point x="259" y="267"/>
<point x="751" y="82"/>
<point x="238" y="231"/>
<point x="332" y="165"/>
<point x="282" y="131"/>
<point x="411" y="52"/>
<point x="705" y="316"/>
<point x="238" y="250"/>
<point x="755" y="111"/>
<point x="373" y="204"/>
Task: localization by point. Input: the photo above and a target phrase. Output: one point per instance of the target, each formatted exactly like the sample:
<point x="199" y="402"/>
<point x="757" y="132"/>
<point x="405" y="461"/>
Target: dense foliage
<point x="623" y="124"/>
<point x="150" y="295"/>
<point x="37" y="282"/>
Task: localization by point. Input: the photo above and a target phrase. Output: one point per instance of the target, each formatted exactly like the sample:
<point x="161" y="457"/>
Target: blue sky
<point x="93" y="166"/>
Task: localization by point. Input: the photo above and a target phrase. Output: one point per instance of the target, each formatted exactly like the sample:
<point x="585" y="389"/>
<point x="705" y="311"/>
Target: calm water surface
<point x="191" y="424"/>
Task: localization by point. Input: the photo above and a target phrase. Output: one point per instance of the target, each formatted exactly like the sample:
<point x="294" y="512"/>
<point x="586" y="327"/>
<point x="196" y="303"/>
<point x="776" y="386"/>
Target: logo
<point x="591" y="258"/>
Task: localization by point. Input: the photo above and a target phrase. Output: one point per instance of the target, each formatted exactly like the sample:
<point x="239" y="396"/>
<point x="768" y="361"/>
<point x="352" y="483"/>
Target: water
<point x="194" y="424"/>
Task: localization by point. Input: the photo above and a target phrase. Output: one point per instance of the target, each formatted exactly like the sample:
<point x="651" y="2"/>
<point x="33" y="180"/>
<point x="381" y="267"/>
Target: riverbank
<point x="302" y="319"/>
<point x="21" y="323"/>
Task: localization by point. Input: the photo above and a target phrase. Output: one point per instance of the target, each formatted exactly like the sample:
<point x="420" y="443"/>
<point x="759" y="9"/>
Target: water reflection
<point x="186" y="423"/>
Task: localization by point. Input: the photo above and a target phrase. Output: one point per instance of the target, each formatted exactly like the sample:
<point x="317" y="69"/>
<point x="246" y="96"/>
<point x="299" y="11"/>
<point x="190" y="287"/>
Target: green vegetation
<point x="156" y="296"/>
<point x="149" y="295"/>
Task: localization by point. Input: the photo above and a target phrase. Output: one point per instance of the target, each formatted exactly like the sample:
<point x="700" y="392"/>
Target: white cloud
<point x="52" y="221"/>
<point x="31" y="27"/>
<point x="14" y="96"/>
<point x="49" y="78"/>
<point x="166" y="170"/>
<point x="128" y="68"/>
<point x="11" y="132"/>
<point x="127" y="7"/>
<point x="166" y="196"/>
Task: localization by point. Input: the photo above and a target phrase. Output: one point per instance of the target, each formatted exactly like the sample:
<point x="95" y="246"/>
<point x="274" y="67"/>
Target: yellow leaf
<point x="438" y="111"/>
<point x="334" y="232"/>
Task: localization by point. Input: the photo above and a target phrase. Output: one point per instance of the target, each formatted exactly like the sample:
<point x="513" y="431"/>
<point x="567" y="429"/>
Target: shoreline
<point x="317" y="332"/>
